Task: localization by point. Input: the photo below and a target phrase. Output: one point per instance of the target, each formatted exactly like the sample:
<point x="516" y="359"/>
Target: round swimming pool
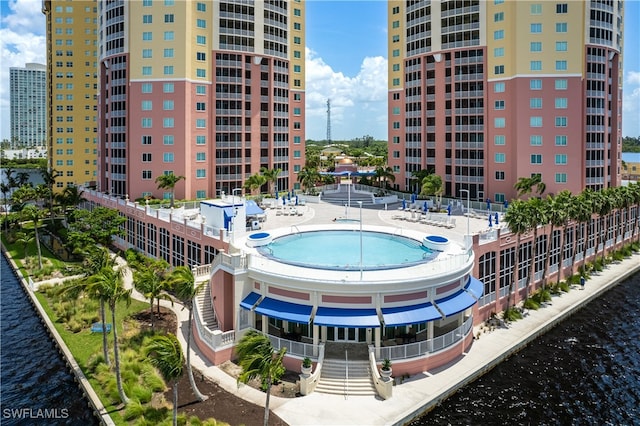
<point x="340" y="250"/>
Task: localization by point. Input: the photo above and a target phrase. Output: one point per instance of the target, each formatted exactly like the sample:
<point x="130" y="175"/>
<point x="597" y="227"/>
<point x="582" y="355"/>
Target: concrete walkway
<point x="420" y="392"/>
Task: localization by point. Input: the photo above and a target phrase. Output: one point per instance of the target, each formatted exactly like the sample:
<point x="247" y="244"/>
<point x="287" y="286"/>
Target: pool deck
<point x="421" y="392"/>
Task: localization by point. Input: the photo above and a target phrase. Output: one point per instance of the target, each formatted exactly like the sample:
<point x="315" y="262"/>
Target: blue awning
<point x="252" y="208"/>
<point x="414" y="314"/>
<point x="455" y="303"/>
<point x="250" y="300"/>
<point x="338" y="317"/>
<point x="475" y="287"/>
<point x="284" y="310"/>
<point x="228" y="216"/>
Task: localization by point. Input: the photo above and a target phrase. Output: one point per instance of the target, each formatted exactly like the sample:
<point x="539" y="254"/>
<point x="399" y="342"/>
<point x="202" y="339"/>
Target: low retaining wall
<point x="94" y="402"/>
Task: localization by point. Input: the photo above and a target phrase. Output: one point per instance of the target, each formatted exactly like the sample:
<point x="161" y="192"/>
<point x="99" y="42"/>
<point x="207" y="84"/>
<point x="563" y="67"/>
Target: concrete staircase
<point x="342" y="197"/>
<point x="208" y="315"/>
<point x="334" y="381"/>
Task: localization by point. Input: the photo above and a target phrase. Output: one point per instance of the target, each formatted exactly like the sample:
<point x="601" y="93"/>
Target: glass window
<point x="561" y="27"/>
<point x="147" y="105"/>
<point x="535" y="140"/>
<point x="499" y="175"/>
<point x="168" y="53"/>
<point x="535" y="103"/>
<point x="561" y="121"/>
<point x="201" y="140"/>
<point x="201" y="56"/>
<point x="535" y="84"/>
<point x="535" y="46"/>
<point x="297" y="140"/>
<point x="147" y="36"/>
<point x="169" y="36"/>
<point x="497" y="17"/>
<point x="561" y="159"/>
<point x="561" y="65"/>
<point x="167" y="88"/>
<point x="168" y="18"/>
<point x="147" y="87"/>
<point x="536" y="28"/>
<point x="146" y="157"/>
<point x="147" y="123"/>
<point x="561" y="178"/>
<point x="201" y="173"/>
<point x="201" y="7"/>
<point x="167" y="105"/>
<point x="536" y="9"/>
<point x="200" y="39"/>
<point x="561" y="103"/>
<point x="201" y="193"/>
<point x="562" y="8"/>
<point x="535" y="121"/>
<point x="561" y="84"/>
<point x="499" y="140"/>
<point x="201" y="123"/>
<point x="147" y="53"/>
<point x="168" y="70"/>
<point x="201" y="72"/>
<point x="499" y="122"/>
<point x="498" y="69"/>
<point x="561" y="46"/>
<point x="201" y="106"/>
<point x="146" y="140"/>
<point x="498" y="87"/>
<point x="536" y="158"/>
<point x="167" y="140"/>
<point x="296" y="154"/>
<point x="561" y="140"/>
<point x="535" y="65"/>
<point x="201" y="23"/>
<point x="168" y="122"/>
<point x="498" y="35"/>
<point x="498" y="52"/>
<point x="167" y="157"/>
<point x="499" y="105"/>
<point x="147" y="19"/>
<point x="201" y="156"/>
<point x="499" y="157"/>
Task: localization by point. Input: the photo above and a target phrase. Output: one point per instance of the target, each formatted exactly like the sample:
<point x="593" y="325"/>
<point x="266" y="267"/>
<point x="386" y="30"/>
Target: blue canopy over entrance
<point x="284" y="310"/>
<point x="475" y="287"/>
<point x="414" y="314"/>
<point x="252" y="208"/>
<point x="339" y="317"/>
<point x="455" y="303"/>
<point x="250" y="300"/>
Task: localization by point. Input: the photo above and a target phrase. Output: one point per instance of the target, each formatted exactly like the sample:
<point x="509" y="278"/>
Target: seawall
<point x="83" y="383"/>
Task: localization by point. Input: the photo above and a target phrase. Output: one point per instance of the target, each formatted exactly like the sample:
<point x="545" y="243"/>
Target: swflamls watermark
<point x="35" y="413"/>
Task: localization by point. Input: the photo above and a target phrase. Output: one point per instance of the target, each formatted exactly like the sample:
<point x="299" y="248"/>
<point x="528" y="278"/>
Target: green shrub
<point x="74" y="325"/>
<point x="140" y="393"/>
<point x="134" y="409"/>
<point x="512" y="314"/>
<point x="565" y="286"/>
<point x="151" y="379"/>
<point x="531" y="304"/>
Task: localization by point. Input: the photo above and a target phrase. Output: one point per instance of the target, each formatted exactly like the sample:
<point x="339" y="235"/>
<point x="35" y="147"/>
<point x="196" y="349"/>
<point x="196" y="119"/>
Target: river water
<point x="585" y="371"/>
<point x="36" y="387"/>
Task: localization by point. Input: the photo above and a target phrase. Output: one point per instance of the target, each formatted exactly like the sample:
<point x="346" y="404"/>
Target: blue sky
<point x="346" y="61"/>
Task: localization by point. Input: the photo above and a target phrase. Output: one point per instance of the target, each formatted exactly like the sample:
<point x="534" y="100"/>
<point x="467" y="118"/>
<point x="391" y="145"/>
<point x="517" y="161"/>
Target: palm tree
<point x="272" y="177"/>
<point x="184" y="286"/>
<point x="71" y="196"/>
<point x="169" y="182"/>
<point x="24" y="239"/>
<point x="164" y="353"/>
<point x="565" y="199"/>
<point x="580" y="212"/>
<point x="384" y="174"/>
<point x="516" y="218"/>
<point x="32" y="213"/>
<point x="635" y="193"/>
<point x="257" y="358"/>
<point x="536" y="217"/>
<point x="49" y="177"/>
<point x="254" y="182"/>
<point x="525" y="185"/>
<point x="308" y="177"/>
<point x="108" y="284"/>
<point x="432" y="185"/>
<point x="556" y="214"/>
<point x="602" y="204"/>
<point x="151" y="283"/>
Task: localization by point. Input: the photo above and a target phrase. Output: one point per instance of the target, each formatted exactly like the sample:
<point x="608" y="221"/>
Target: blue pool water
<point x="340" y="249"/>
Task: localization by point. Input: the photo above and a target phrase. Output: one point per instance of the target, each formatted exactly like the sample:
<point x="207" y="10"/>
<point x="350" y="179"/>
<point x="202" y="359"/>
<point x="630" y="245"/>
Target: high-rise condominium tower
<point x="209" y="90"/>
<point x="485" y="92"/>
<point x="28" y="104"/>
<point x="72" y="90"/>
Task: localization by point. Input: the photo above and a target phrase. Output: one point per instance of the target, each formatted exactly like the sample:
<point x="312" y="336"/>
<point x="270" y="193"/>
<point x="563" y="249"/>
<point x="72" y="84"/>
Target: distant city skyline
<point x="346" y="61"/>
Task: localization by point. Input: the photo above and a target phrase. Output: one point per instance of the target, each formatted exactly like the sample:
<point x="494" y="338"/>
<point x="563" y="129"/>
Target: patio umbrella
<point x="277" y="196"/>
<point x="284" y="201"/>
<point x="404" y="204"/>
<point x="297" y="204"/>
<point x="496" y="215"/>
<point x="449" y="210"/>
<point x="488" y="204"/>
<point x="425" y="207"/>
<point x="490" y="221"/>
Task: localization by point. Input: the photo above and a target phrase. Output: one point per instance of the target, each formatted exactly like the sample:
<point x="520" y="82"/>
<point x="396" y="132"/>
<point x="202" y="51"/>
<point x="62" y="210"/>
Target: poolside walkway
<point x="423" y="391"/>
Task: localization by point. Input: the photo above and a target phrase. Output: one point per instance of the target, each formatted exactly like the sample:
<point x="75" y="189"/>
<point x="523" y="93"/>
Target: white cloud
<point x="358" y="104"/>
<point x="631" y="105"/>
<point x="22" y="40"/>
